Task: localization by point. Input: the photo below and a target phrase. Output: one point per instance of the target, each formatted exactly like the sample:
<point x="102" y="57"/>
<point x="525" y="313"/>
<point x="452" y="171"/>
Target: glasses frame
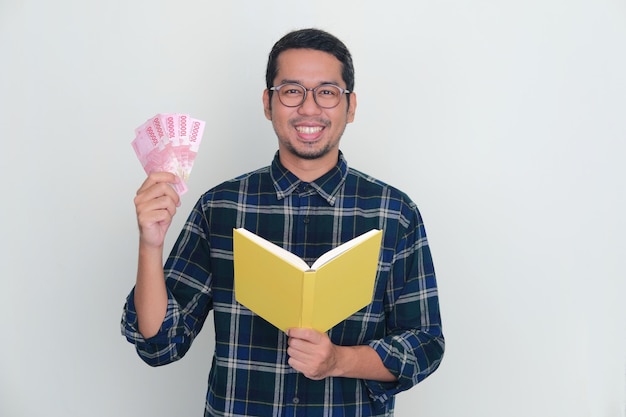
<point x="342" y="91"/>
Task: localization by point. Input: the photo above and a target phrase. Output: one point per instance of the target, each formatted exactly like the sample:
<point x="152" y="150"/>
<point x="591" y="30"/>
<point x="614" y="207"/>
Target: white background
<point x="504" y="120"/>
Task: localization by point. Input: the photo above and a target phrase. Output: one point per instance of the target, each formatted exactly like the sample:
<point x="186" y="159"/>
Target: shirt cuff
<point x="130" y="326"/>
<point x="382" y="392"/>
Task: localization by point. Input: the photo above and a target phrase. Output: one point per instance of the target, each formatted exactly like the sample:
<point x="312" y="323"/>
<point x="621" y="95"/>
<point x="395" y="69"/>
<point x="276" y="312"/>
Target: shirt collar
<point x="326" y="186"/>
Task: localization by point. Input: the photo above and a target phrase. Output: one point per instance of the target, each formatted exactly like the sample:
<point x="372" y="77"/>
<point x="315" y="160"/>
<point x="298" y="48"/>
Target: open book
<point x="280" y="287"/>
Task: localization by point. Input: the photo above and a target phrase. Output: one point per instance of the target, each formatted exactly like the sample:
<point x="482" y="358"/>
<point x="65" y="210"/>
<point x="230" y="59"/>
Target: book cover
<point x="280" y="287"/>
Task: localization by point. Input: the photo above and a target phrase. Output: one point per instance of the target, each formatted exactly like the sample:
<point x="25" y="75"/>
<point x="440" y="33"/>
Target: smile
<point x="309" y="130"/>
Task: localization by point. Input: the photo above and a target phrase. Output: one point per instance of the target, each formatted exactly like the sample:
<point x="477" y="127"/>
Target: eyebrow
<point x="289" y="81"/>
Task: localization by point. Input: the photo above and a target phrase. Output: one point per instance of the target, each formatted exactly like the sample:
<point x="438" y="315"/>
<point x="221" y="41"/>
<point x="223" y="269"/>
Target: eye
<point x="291" y="90"/>
<point x="328" y="90"/>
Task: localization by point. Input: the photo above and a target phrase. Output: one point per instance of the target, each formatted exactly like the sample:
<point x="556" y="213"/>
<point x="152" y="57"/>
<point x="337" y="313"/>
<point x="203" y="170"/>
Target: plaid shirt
<point x="250" y="375"/>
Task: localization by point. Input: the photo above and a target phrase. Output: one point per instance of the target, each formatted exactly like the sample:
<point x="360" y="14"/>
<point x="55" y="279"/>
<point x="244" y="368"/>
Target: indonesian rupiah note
<point x="169" y="142"/>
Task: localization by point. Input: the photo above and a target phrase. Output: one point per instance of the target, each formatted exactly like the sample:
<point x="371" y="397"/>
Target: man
<point x="308" y="201"/>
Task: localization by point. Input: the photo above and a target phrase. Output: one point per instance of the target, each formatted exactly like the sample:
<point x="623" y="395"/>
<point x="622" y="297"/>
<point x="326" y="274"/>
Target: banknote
<point x="169" y="142"/>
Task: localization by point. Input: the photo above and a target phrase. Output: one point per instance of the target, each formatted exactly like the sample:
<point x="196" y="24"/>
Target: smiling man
<point x="308" y="200"/>
<point x="312" y="111"/>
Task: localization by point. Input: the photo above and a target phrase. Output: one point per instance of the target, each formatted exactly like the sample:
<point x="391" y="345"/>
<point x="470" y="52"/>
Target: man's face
<point x="309" y="132"/>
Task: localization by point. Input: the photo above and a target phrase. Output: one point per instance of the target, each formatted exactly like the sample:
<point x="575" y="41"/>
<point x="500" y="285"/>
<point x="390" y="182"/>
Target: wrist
<point x="344" y="359"/>
<point x="146" y="248"/>
<point x="360" y="362"/>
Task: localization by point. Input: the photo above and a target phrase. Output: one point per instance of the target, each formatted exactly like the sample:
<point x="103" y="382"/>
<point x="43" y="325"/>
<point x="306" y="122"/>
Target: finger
<point x="295" y="345"/>
<point x="310" y="335"/>
<point x="147" y="224"/>
<point x="161" y="207"/>
<point x="156" y="211"/>
<point x="295" y="364"/>
<point x="156" y="178"/>
<point x="151" y="190"/>
<point x="157" y="191"/>
<point x="305" y="369"/>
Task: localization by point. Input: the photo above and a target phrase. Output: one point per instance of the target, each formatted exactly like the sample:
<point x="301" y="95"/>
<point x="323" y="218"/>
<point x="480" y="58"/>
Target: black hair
<point x="311" y="39"/>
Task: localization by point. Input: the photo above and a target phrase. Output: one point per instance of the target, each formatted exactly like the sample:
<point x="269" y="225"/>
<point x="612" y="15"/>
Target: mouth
<point x="309" y="130"/>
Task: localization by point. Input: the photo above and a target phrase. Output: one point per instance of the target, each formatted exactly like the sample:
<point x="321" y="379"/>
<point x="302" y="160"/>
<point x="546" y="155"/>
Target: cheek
<point x="279" y="117"/>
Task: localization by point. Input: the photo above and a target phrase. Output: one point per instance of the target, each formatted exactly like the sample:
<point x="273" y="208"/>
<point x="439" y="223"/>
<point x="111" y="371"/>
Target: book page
<point x="333" y="253"/>
<point x="295" y="260"/>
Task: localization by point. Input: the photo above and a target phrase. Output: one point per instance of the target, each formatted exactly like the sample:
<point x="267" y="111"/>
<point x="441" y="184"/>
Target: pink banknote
<point x="169" y="142"/>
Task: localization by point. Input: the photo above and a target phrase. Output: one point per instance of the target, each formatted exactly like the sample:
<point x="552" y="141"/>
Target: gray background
<point x="504" y="120"/>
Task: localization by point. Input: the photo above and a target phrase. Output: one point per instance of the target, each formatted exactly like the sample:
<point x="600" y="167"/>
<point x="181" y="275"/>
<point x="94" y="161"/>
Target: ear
<point x="352" y="108"/>
<point x="267" y="106"/>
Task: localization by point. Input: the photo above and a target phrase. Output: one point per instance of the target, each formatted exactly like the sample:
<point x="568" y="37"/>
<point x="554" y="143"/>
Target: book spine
<point x="308" y="299"/>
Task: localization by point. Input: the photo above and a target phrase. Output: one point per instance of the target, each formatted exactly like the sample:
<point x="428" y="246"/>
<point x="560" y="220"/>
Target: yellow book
<point x="280" y="287"/>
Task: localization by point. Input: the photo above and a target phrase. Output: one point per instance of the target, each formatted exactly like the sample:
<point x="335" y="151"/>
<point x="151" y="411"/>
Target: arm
<point x="168" y="305"/>
<point x="155" y="203"/>
<point x="412" y="346"/>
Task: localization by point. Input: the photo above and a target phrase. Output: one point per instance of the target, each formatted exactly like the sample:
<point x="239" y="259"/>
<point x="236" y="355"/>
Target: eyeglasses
<point x="326" y="96"/>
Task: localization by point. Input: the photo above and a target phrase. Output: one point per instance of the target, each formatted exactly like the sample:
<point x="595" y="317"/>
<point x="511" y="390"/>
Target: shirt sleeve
<point x="414" y="345"/>
<point x="187" y="273"/>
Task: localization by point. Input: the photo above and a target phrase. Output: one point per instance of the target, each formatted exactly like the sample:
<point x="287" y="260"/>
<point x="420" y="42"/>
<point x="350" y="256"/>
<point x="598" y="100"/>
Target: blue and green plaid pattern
<point x="250" y="375"/>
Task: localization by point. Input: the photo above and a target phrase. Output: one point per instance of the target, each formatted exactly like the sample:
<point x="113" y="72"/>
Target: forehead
<point x="308" y="66"/>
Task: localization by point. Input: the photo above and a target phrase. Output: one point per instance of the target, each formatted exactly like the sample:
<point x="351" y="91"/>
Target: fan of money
<point x="169" y="142"/>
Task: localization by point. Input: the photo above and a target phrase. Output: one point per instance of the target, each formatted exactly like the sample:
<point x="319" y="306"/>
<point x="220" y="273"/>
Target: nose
<point x="309" y="106"/>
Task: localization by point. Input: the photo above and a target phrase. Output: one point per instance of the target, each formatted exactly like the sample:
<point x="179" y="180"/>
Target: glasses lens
<point x="291" y="95"/>
<point x="327" y="95"/>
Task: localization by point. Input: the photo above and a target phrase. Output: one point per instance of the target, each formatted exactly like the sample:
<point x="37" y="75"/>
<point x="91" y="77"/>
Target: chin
<point x="310" y="154"/>
<point x="308" y="151"/>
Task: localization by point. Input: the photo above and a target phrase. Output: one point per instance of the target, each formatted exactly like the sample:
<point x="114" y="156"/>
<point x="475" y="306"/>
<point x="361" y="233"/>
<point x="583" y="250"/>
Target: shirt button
<point x="305" y="220"/>
<point x="296" y="400"/>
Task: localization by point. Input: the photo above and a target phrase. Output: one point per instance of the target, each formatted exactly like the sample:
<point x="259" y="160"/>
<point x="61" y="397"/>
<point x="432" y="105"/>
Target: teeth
<point x="309" y="129"/>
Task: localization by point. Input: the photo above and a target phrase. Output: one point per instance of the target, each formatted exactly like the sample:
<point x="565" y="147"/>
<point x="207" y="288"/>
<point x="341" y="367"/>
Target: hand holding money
<point x="156" y="202"/>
